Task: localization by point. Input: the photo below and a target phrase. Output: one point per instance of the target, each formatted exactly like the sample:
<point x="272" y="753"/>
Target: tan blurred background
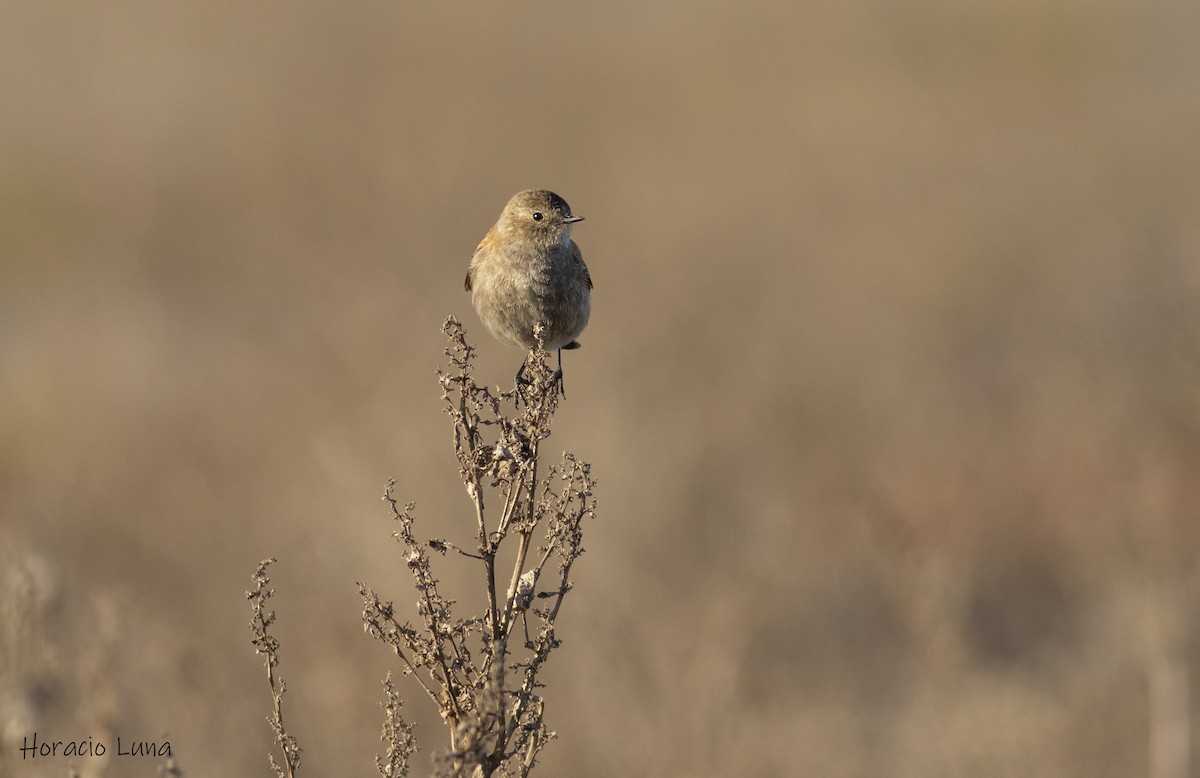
<point x="892" y="385"/>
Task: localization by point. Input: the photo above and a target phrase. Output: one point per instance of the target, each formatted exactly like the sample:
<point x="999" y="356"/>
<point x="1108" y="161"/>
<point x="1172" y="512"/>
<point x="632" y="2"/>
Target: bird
<point x="527" y="270"/>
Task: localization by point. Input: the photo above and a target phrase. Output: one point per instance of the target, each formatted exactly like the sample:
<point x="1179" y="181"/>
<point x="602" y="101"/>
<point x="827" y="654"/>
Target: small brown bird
<point x="528" y="270"/>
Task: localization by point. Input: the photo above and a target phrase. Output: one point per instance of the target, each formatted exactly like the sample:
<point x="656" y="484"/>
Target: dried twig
<point x="266" y="644"/>
<point x="495" y="719"/>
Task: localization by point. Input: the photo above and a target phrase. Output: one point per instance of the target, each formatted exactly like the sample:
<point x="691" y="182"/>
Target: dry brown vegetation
<point x="892" y="381"/>
<point x="481" y="661"/>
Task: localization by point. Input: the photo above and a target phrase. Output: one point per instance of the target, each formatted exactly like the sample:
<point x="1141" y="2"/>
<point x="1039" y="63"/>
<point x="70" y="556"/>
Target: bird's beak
<point x="573" y="219"/>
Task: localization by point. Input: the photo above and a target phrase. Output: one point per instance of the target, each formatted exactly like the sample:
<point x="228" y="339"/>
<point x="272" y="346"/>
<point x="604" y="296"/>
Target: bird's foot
<point x="558" y="376"/>
<point x="521" y="383"/>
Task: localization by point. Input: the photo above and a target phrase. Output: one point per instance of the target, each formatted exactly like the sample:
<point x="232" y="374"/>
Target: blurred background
<point x="891" y="388"/>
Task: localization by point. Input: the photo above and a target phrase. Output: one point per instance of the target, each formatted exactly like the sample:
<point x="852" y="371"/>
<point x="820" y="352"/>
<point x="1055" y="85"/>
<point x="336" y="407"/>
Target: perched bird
<point x="527" y="270"/>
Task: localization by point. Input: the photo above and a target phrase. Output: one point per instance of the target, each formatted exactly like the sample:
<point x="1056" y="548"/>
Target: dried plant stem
<point x="266" y="644"/>
<point x="495" y="723"/>
<point x="494" y="718"/>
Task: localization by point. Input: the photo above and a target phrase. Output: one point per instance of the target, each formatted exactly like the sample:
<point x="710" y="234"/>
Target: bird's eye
<point x="537" y="216"/>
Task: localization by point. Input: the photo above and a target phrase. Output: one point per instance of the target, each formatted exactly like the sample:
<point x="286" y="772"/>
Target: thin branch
<point x="495" y="718"/>
<point x="266" y="644"/>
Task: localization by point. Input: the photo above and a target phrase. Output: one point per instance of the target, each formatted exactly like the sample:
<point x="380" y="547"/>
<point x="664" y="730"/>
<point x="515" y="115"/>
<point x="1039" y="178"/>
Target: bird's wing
<point x="470" y="280"/>
<point x="577" y="257"/>
<point x="487" y="241"/>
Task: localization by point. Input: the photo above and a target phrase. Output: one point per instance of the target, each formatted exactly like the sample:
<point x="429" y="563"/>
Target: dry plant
<point x="482" y="670"/>
<point x="267" y="645"/>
